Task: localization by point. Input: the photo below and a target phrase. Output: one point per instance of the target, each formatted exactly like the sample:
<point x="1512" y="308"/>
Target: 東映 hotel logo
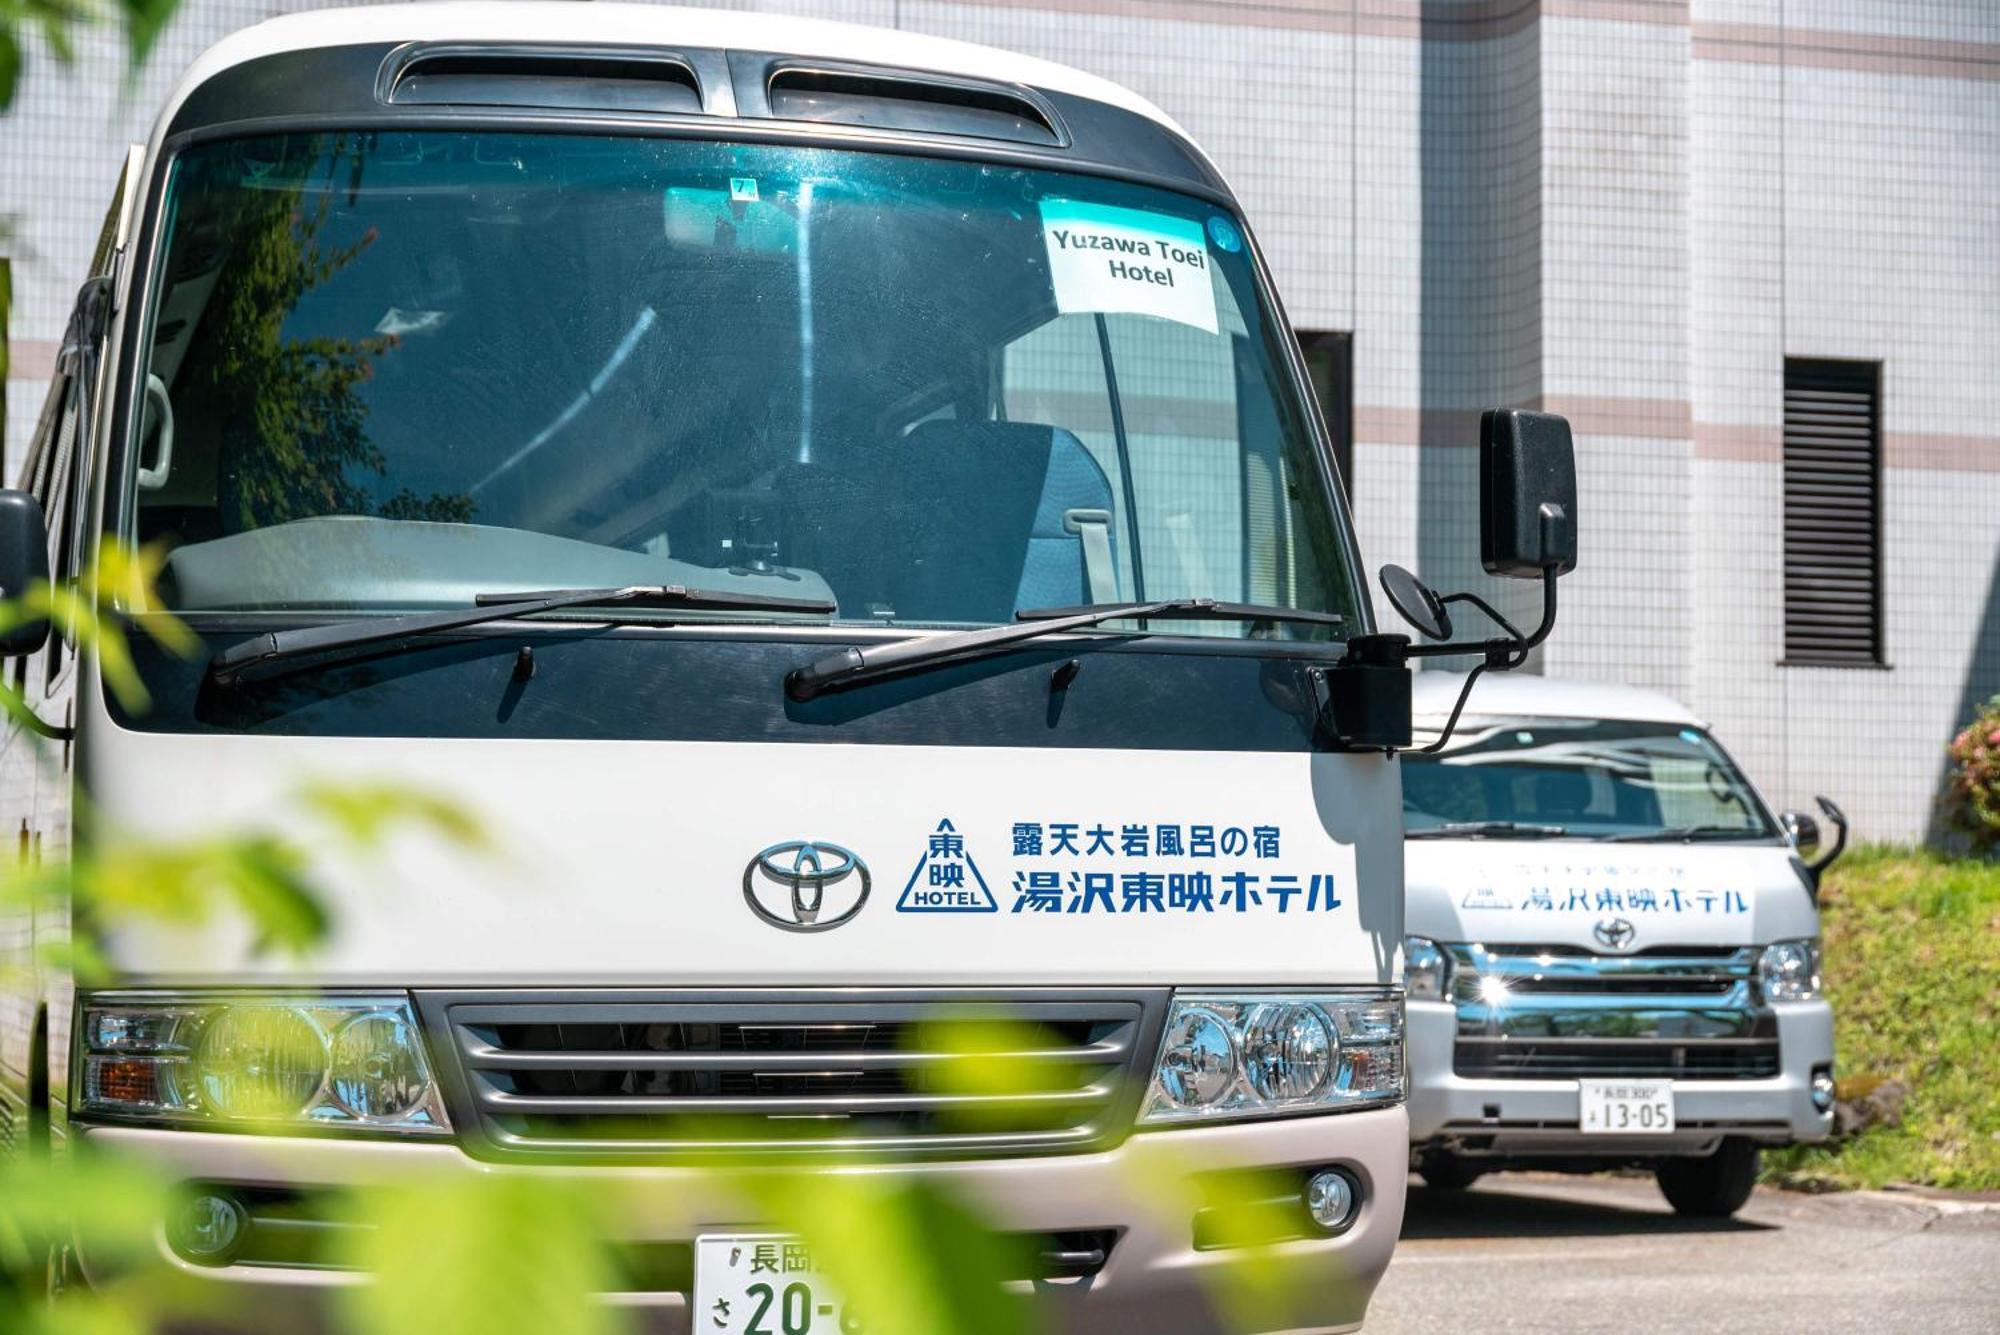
<point x="946" y="879"/>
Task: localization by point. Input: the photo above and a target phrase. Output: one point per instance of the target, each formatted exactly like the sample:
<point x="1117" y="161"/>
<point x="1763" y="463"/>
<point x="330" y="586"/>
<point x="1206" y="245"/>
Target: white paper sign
<point x="1127" y="262"/>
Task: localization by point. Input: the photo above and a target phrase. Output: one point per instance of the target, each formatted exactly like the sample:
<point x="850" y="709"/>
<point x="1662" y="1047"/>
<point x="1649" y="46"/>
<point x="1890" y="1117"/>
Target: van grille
<point x="1586" y="1059"/>
<point x="1568" y="1013"/>
<point x="670" y="1075"/>
<point x="1548" y="970"/>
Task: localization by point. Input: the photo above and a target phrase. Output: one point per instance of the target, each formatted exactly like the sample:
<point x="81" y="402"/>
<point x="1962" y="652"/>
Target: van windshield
<point x="388" y="371"/>
<point x="1585" y="778"/>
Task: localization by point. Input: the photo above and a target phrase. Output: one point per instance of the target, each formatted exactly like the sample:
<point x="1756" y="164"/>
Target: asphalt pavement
<point x="1541" y="1252"/>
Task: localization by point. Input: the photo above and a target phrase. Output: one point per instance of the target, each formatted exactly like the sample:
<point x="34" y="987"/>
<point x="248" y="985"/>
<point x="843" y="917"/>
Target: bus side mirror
<point x="24" y="562"/>
<point x="1527" y="494"/>
<point x="1527" y="530"/>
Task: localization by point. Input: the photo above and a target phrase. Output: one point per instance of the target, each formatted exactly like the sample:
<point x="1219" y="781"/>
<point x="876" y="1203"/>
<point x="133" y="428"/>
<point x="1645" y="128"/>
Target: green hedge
<point x="1912" y="946"/>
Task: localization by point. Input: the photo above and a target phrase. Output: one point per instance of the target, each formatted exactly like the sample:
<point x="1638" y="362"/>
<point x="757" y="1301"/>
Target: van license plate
<point x="1627" y="1107"/>
<point x="763" y="1284"/>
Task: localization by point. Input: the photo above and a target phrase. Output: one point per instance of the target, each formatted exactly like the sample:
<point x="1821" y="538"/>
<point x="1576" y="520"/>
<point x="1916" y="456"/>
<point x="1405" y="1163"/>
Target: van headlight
<point x="348" y="1061"/>
<point x="1426" y="969"/>
<point x="1789" y="970"/>
<point x="1232" y="1056"/>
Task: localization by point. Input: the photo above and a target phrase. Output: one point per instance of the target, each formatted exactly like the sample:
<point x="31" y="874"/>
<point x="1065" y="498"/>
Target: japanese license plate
<point x="1626" y="1107"/>
<point x="763" y="1284"/>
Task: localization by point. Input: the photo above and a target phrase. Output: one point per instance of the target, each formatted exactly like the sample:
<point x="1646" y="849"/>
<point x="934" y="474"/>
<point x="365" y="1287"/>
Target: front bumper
<point x="1526" y="1118"/>
<point x="1154" y="1282"/>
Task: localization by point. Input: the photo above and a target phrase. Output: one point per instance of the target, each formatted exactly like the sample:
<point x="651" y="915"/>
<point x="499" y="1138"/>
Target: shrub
<point x="1972" y="788"/>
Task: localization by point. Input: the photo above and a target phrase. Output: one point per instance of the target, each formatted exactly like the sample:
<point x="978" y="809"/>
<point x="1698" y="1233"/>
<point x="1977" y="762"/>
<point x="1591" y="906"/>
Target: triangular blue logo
<point x="946" y="879"/>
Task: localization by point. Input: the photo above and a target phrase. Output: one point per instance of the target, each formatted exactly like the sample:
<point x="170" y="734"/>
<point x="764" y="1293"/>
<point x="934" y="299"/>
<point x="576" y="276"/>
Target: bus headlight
<point x="1227" y="1057"/>
<point x="263" y="1061"/>
<point x="1789" y="970"/>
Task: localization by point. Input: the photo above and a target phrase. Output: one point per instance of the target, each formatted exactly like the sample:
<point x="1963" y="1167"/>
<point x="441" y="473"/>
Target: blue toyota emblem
<point x="805" y="885"/>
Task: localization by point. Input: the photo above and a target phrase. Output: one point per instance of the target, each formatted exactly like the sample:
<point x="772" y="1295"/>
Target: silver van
<point x="1613" y="952"/>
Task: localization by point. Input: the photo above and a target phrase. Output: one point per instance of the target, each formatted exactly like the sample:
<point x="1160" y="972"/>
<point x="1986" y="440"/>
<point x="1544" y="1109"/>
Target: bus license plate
<point x="762" y="1284"/>
<point x="1627" y="1107"/>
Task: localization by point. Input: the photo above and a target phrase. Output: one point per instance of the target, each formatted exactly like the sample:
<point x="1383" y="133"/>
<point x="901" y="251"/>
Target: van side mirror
<point x="1803" y="831"/>
<point x="24" y="560"/>
<point x="1527" y="494"/>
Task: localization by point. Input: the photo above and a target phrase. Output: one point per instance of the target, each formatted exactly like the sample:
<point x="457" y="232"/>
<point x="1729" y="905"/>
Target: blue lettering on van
<point x="1086" y="839"/>
<point x="1670" y="899"/>
<point x="1150" y="892"/>
<point x="1079" y="871"/>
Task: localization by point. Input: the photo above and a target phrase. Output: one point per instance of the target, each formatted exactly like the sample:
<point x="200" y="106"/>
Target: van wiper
<point x="1488" y="829"/>
<point x="1687" y="832"/>
<point x="276" y="653"/>
<point x="851" y="667"/>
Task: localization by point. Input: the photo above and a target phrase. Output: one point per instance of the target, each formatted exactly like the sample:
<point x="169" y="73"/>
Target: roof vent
<point x="567" y="79"/>
<point x="898" y="102"/>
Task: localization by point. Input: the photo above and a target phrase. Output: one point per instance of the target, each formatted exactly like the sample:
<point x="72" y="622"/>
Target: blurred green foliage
<point x="57" y="24"/>
<point x="512" y="1254"/>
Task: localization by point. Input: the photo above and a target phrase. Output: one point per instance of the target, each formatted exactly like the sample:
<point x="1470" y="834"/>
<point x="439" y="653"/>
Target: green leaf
<point x="520" y="1254"/>
<point x="144" y="20"/>
<point x="366" y="814"/>
<point x="10" y="81"/>
<point x="58" y="19"/>
<point x="270" y="886"/>
<point x="120" y="1200"/>
<point x="908" y="1256"/>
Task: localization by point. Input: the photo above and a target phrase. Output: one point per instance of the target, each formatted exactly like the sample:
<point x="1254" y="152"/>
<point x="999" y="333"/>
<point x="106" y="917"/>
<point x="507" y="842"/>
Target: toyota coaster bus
<point x="845" y="511"/>
<point x="1614" y="947"/>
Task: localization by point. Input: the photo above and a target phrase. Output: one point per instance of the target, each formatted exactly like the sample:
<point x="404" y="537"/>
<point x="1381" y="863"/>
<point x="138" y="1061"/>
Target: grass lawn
<point x="1912" y="965"/>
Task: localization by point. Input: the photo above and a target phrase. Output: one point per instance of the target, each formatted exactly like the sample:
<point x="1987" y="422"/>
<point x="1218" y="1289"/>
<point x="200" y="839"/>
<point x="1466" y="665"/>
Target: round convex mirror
<point x="1415" y="603"/>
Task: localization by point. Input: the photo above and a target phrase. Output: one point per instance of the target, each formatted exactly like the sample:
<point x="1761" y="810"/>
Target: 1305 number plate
<point x="1626" y="1107"/>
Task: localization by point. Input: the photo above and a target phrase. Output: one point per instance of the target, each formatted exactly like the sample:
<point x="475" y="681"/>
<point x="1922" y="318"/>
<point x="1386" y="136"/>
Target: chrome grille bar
<point x="1715" y="1059"/>
<point x="1703" y="971"/>
<point x="1564" y="1012"/>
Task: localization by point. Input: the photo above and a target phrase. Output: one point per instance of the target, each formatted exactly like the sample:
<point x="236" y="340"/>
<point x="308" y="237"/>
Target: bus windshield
<point x="1580" y="778"/>
<point x="388" y="371"/>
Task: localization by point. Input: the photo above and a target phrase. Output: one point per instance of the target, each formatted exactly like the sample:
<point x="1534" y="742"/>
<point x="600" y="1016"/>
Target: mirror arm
<point x="1549" y="576"/>
<point x="1500" y="654"/>
<point x="1492" y="612"/>
<point x="1451" y="724"/>
<point x="1839" y="819"/>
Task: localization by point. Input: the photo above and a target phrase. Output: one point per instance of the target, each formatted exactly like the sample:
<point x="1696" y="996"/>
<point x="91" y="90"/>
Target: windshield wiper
<point x="275" y="653"/>
<point x="1687" y="832"/>
<point x="1488" y="829"/>
<point x="851" y="667"/>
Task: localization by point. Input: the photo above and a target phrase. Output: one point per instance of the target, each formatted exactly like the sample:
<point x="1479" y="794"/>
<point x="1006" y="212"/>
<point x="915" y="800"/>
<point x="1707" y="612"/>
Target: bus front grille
<point x="617" y="1076"/>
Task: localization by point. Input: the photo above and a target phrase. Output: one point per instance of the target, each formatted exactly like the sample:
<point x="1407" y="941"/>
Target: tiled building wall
<point x="1615" y="248"/>
<point x="1846" y="194"/>
<point x="1631" y="211"/>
